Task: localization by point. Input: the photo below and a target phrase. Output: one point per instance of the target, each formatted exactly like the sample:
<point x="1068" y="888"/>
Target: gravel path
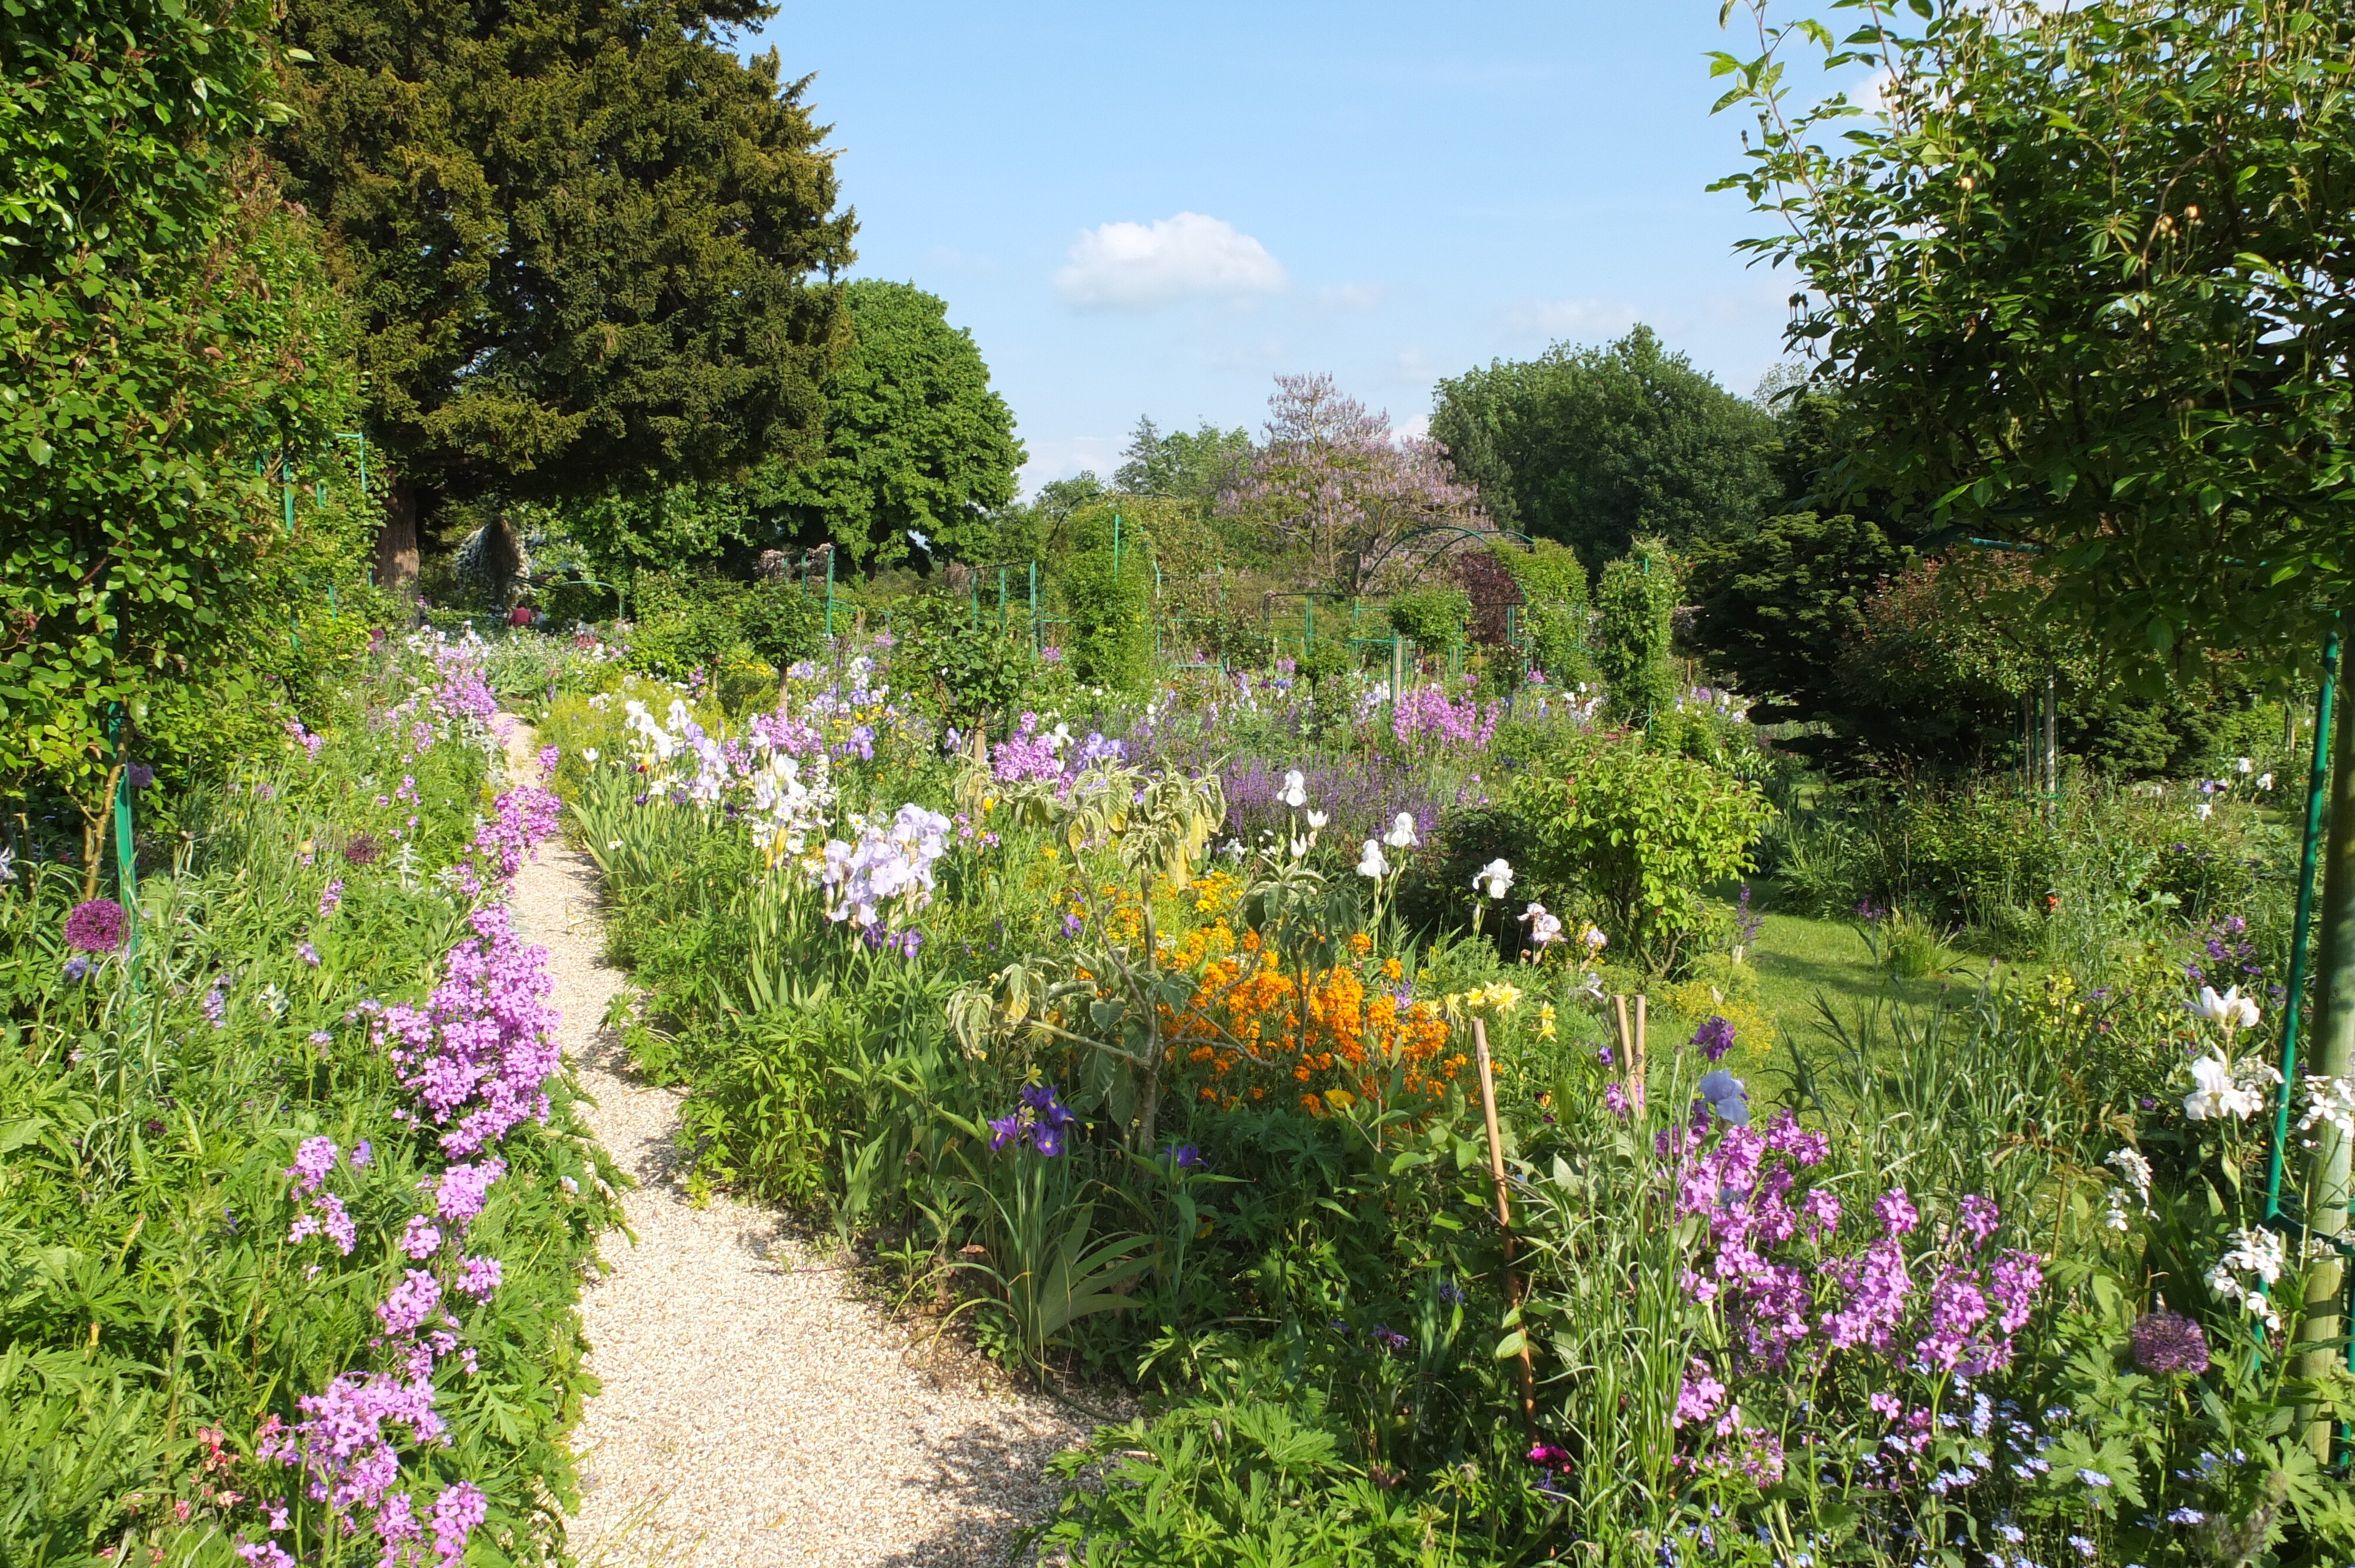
<point x="753" y="1410"/>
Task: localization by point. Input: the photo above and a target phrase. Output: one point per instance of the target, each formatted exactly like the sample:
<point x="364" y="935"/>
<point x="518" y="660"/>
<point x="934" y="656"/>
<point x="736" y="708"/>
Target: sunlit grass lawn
<point x="1801" y="961"/>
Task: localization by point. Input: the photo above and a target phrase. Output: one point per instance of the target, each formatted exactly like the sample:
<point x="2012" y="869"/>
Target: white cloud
<point x="1408" y="429"/>
<point x="1136" y="266"/>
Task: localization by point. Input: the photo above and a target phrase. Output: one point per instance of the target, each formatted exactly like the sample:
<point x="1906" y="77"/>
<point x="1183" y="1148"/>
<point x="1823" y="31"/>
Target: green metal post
<point x="2302" y="931"/>
<point x="1307" y="624"/>
<point x="1037" y="632"/>
<point x="2325" y="1219"/>
<point x="829" y="591"/>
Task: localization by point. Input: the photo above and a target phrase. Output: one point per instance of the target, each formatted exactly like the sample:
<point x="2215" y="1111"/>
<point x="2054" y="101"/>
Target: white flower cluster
<point x="677" y="754"/>
<point x="889" y="868"/>
<point x="2222" y="1089"/>
<point x="2258" y="1255"/>
<point x="791" y="805"/>
<point x="1371" y="861"/>
<point x="2329" y="1100"/>
<point x="2135" y="1170"/>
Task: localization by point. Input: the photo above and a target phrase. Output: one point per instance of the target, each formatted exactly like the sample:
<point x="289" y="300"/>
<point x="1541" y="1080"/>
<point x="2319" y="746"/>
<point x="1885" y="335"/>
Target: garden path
<point x="754" y="1411"/>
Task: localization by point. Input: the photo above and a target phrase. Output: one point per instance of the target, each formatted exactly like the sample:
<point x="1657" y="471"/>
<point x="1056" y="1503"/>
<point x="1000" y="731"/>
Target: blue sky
<point x="1147" y="211"/>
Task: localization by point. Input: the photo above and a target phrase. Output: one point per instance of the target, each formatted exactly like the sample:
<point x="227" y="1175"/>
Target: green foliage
<point x="2076" y="286"/>
<point x="148" y="1292"/>
<point x="1641" y="833"/>
<point x="915" y="439"/>
<point x="686" y="621"/>
<point x="1432" y="619"/>
<point x="978" y="673"/>
<point x="674" y="528"/>
<point x="781" y="623"/>
<point x="168" y="341"/>
<point x="1635" y="605"/>
<point x="1594" y="447"/>
<point x="1110" y="640"/>
<point x="577" y="234"/>
<point x="1779" y="603"/>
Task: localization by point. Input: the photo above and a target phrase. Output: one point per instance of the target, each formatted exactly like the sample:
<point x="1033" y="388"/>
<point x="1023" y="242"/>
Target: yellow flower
<point x="1048" y="850"/>
<point x="1545" y="1021"/>
<point x="1503" y="997"/>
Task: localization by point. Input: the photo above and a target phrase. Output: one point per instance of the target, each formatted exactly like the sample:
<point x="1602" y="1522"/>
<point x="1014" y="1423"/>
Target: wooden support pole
<point x="1505" y="1221"/>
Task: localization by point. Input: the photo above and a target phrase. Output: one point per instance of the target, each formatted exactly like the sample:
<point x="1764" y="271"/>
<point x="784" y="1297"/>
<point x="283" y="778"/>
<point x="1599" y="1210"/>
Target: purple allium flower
<point x="142" y="776"/>
<point x="1715" y="1038"/>
<point x="2165" y="1341"/>
<point x="362" y="849"/>
<point x="95" y="927"/>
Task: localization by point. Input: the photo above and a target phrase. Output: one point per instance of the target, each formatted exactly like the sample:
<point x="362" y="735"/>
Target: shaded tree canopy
<point x="915" y="439"/>
<point x="580" y="236"/>
<point x="1595" y="446"/>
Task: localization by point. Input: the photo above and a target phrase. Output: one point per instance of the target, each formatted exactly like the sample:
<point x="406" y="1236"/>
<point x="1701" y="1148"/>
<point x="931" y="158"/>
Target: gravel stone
<point x="753" y="1410"/>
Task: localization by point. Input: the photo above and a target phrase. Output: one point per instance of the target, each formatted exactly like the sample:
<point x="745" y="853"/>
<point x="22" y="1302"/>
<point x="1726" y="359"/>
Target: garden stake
<point x="1635" y="1058"/>
<point x="1626" y="1035"/>
<point x="1505" y="1220"/>
<point x="2294" y="998"/>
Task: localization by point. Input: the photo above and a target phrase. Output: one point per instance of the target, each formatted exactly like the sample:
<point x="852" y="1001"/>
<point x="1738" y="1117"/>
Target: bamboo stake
<point x="1635" y="1058"/>
<point x="1505" y="1220"/>
<point x="1626" y="1035"/>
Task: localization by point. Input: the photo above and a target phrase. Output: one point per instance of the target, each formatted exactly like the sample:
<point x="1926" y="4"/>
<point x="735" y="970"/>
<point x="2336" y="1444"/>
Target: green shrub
<point x="1635" y="606"/>
<point x="1433" y="618"/>
<point x="1640" y="834"/>
<point x="780" y="622"/>
<point x="1111" y="612"/>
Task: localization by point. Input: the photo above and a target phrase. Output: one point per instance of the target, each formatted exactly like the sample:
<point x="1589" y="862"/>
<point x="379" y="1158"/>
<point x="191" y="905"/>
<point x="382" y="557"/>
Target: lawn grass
<point x="1801" y="961"/>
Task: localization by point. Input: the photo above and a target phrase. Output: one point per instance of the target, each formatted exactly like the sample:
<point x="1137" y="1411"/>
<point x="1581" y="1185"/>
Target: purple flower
<point x="363" y="1152"/>
<point x="414" y="1302"/>
<point x="1389" y="1337"/>
<point x="1978" y="1216"/>
<point x="95" y="927"/>
<point x="482" y="1277"/>
<point x="142" y="776"/>
<point x="2167" y="1342"/>
<point x="423" y="1238"/>
<point x="1005" y="1129"/>
<point x="330" y="896"/>
<point x="1715" y="1038"/>
<point x="76" y="968"/>
<point x="1073" y="925"/>
<point x="308" y="954"/>
<point x="1186" y="1157"/>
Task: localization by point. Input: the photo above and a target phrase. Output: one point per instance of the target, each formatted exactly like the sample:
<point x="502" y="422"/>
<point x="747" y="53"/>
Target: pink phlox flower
<point x="1699" y="1395"/>
<point x="456" y="1512"/>
<point x="422" y="1238"/>
<point x="482" y="1275"/>
<point x="413" y="1303"/>
<point x="1897" y="1213"/>
<point x="1978" y="1217"/>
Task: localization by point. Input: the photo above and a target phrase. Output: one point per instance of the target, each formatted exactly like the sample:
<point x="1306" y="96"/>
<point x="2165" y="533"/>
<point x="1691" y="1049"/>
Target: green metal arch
<point x="1527" y="544"/>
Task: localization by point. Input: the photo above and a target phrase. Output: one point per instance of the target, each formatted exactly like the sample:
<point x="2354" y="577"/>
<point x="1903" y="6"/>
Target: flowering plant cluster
<point x="1427" y="719"/>
<point x="1820" y="1302"/>
<point x="888" y="874"/>
<point x="1038" y="1121"/>
<point x="477" y="1057"/>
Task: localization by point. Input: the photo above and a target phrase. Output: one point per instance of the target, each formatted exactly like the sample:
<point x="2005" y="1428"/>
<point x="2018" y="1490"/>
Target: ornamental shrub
<point x="1640" y="834"/>
<point x="1634" y="605"/>
<point x="1432" y="619"/>
<point x="1111" y="612"/>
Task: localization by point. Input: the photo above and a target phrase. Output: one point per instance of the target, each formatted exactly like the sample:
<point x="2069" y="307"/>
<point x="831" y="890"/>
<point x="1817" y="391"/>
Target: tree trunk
<point x="396" y="542"/>
<point x="2334" y="1057"/>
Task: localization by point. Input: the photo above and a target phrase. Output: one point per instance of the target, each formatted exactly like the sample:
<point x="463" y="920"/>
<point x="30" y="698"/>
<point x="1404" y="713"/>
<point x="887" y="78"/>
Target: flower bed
<point x="296" y="1147"/>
